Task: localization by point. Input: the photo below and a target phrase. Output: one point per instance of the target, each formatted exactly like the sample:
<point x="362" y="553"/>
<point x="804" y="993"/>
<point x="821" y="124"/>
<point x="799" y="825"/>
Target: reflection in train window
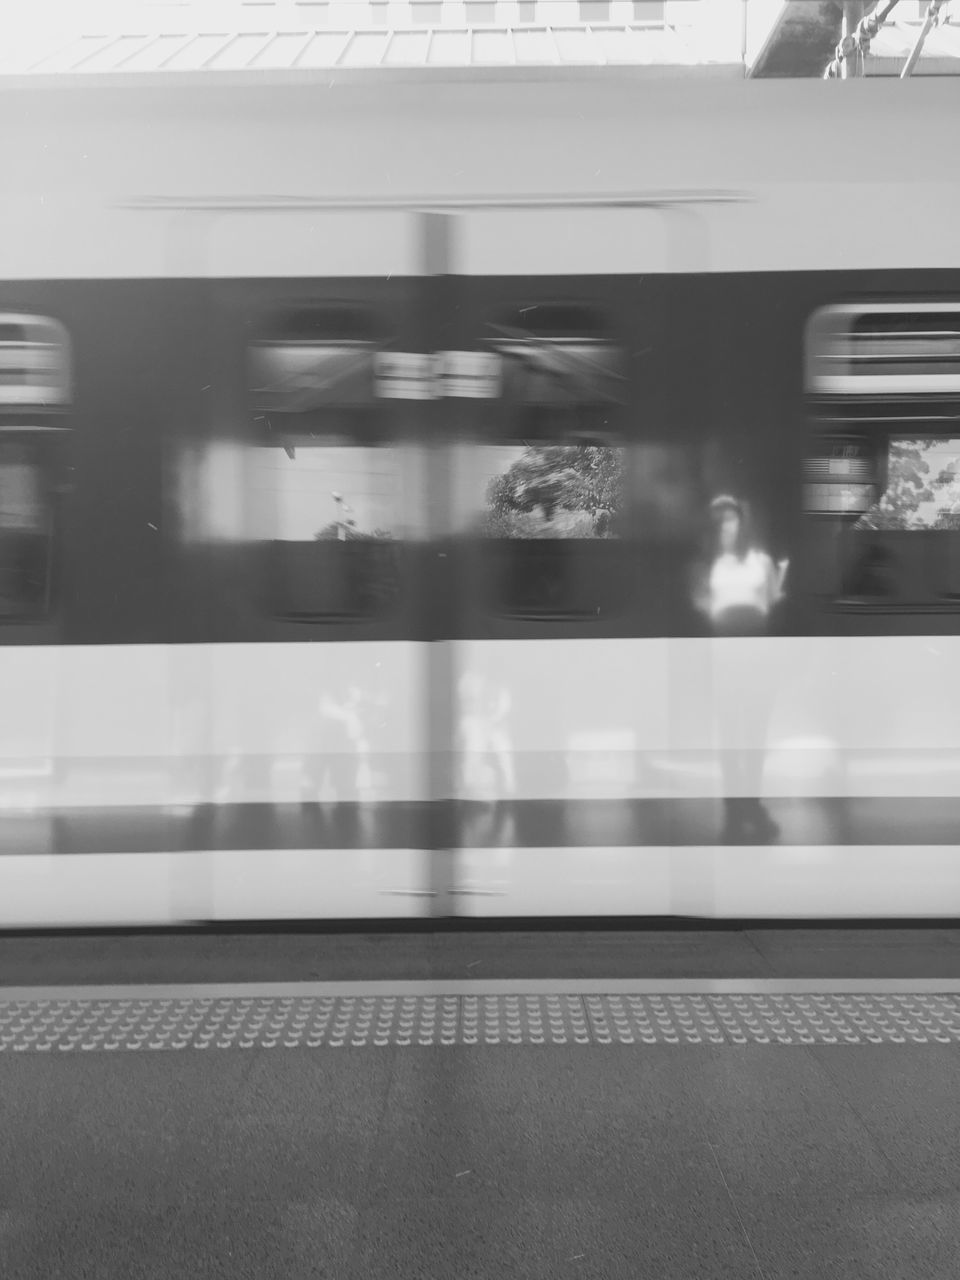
<point x="543" y="490"/>
<point x="898" y="516"/>
<point x="544" y="511"/>
<point x="330" y="514"/>
<point x="326" y="478"/>
<point x="34" y="363"/>
<point x="26" y="529"/>
<point x="922" y="489"/>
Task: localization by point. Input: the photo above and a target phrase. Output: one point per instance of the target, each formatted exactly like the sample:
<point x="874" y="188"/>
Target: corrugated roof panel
<point x="366" y="49"/>
<point x="324" y="49"/>
<point x="269" y="42"/>
<point x="896" y="40"/>
<point x="155" y="54"/>
<point x="408" y="49"/>
<point x="197" y="53"/>
<point x="27" y="51"/>
<point x="280" y="53"/>
<point x="673" y="46"/>
<point x="493" y="47"/>
<point x="69" y="56"/>
<point x="113" y="55"/>
<point x="450" y="49"/>
<point x="578" y="45"/>
<point x="626" y="45"/>
<point x="240" y="52"/>
<point x="535" y="46"/>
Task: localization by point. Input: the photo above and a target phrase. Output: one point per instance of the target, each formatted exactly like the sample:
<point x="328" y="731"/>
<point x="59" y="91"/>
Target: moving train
<point x="358" y="440"/>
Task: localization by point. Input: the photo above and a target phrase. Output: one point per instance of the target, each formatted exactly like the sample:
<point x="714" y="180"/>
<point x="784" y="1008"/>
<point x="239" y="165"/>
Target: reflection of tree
<point x="948" y="517"/>
<point x="585" y="481"/>
<point x="898" y="507"/>
<point x="907" y="488"/>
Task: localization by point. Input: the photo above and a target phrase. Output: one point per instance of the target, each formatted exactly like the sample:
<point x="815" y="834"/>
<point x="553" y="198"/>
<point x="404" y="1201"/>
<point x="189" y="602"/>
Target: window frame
<point x="289" y="430"/>
<point x="518" y="417"/>
<point x="42" y="422"/>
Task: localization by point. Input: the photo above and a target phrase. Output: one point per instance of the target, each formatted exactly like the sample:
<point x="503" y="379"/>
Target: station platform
<point x="670" y="1101"/>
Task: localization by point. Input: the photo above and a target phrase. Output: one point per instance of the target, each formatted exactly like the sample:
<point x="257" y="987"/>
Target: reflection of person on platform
<point x="737" y="586"/>
<point x="486" y="754"/>
<point x="343" y="781"/>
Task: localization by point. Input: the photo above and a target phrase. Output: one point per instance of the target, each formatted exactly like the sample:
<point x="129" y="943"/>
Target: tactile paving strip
<point x="334" y="1022"/>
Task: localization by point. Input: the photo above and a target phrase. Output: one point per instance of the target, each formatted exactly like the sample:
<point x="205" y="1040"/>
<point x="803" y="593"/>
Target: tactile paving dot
<point x="43" y="1026"/>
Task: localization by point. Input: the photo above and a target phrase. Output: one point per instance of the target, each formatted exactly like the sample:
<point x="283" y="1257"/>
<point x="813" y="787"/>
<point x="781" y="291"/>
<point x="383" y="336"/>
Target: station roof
<point x="758" y="38"/>
<point x="410" y="47"/>
<point x="126" y="37"/>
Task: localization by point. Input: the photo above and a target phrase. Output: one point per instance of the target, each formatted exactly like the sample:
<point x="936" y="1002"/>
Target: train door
<point x="566" y="498"/>
<point x="882" y="509"/>
<point x="568" y="423"/>
<point x="309" y="547"/>
<point x="435" y="555"/>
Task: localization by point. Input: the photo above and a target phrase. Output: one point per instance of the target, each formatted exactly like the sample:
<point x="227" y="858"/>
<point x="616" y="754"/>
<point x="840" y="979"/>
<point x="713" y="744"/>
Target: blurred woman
<point x="736" y="587"/>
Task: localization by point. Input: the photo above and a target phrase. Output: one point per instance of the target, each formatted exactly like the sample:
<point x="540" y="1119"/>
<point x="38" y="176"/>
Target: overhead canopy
<point x="122" y="37"/>
<point x="413" y="47"/>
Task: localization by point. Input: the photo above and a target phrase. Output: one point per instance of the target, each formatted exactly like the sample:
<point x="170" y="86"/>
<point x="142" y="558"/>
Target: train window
<point x="922" y="489"/>
<point x="885" y="349"/>
<point x="544" y="492"/>
<point x="34" y="363"/>
<point x="26" y="529"/>
<point x="884" y="478"/>
<point x="542" y="489"/>
<point x="326" y="476"/>
<point x="896" y="503"/>
<point x="543" y="509"/>
<point x="329" y="514"/>
<point x="35" y="391"/>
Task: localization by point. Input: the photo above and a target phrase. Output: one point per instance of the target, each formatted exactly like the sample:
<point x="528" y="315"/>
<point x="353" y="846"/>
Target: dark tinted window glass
<point x="326" y="480"/>
<point x="26" y="530"/>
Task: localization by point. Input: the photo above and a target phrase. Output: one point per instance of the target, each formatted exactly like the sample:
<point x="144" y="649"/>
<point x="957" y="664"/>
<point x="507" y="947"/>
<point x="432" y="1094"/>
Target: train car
<point x="358" y="440"/>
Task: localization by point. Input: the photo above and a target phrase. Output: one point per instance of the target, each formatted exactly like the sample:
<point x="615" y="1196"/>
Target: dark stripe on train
<point x="511" y="824"/>
<point x="714" y="385"/>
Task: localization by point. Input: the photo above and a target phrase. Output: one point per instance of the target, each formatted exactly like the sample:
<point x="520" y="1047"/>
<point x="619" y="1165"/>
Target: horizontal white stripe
<point x="792" y="882"/>
<point x="66" y="238"/>
<point x="573" y="719"/>
<point x="62" y="237"/>
<point x="142" y="889"/>
<point x="98" y="890"/>
<point x="727" y="882"/>
<point x="776" y="228"/>
<point x="187" y="725"/>
<point x="78" y="162"/>
<point x="300" y="884"/>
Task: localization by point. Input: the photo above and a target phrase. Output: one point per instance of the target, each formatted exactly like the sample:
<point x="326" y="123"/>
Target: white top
<point x="750" y="583"/>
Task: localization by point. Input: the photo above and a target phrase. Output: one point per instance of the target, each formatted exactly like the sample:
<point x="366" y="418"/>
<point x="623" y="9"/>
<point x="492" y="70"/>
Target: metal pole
<point x="928" y="24"/>
<point x="857" y="41"/>
<point x="852" y="17"/>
